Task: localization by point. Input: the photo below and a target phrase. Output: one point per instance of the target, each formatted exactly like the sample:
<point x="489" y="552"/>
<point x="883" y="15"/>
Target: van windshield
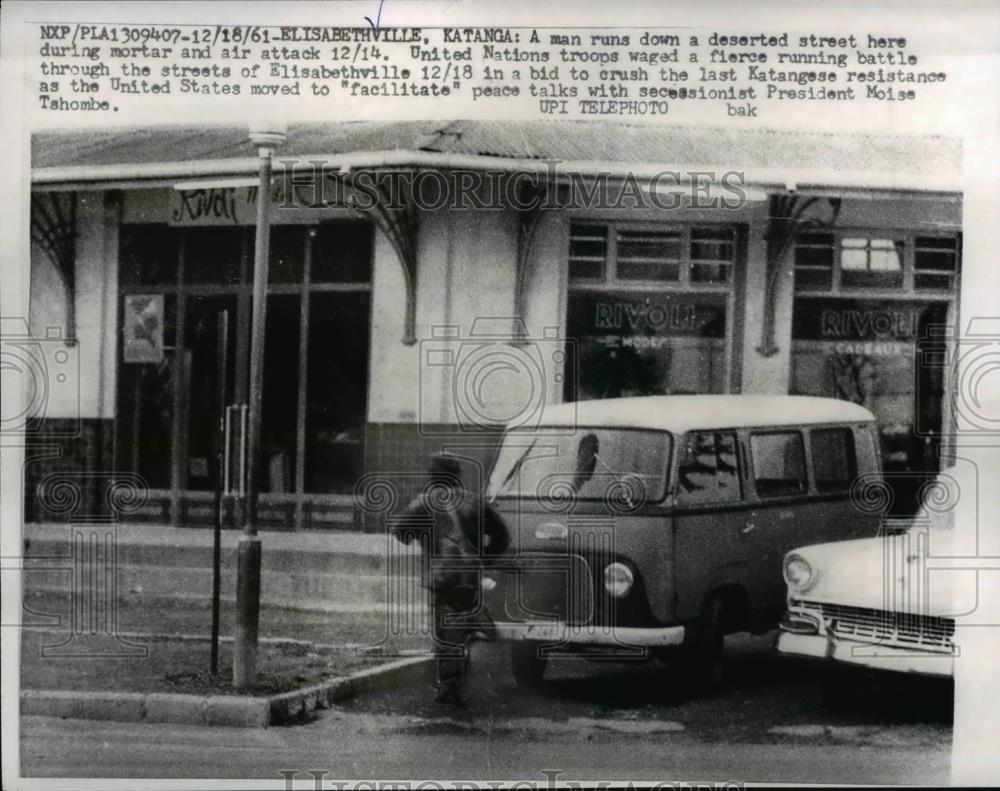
<point x="623" y="466"/>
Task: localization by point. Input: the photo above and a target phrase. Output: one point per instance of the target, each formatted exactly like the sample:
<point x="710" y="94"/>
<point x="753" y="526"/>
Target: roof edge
<point x="783" y="179"/>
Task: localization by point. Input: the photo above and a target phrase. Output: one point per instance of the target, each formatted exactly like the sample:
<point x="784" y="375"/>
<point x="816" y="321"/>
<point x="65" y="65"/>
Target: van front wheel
<point x="526" y="664"/>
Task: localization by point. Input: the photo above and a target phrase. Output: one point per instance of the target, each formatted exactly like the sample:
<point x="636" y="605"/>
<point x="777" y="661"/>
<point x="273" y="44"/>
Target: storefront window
<point x="315" y="356"/>
<point x="866" y="351"/>
<point x="831" y="262"/>
<point x="648" y="310"/>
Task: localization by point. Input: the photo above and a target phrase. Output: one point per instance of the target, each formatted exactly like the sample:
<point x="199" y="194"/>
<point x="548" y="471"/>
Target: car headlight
<point x="618" y="579"/>
<point x="800" y="576"/>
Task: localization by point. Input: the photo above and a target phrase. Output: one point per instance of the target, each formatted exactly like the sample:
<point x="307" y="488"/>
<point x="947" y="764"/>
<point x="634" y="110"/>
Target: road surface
<point x="774" y="721"/>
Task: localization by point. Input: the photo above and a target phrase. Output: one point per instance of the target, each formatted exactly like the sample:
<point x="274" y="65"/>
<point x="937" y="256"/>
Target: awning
<point x="769" y="159"/>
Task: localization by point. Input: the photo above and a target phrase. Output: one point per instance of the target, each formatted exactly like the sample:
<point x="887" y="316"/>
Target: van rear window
<point x="779" y="463"/>
<point x="621" y="466"/>
<point x="834" y="461"/>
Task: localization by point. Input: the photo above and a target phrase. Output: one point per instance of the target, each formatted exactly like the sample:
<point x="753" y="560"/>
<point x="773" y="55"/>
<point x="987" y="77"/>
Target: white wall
<point x="89" y="393"/>
<point x="467" y="268"/>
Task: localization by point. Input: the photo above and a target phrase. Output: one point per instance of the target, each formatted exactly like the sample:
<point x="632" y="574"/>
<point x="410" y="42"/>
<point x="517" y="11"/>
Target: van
<point x="653" y="526"/>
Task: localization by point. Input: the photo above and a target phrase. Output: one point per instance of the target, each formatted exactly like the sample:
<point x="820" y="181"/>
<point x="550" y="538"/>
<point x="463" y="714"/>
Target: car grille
<point x="551" y="586"/>
<point x="885" y="627"/>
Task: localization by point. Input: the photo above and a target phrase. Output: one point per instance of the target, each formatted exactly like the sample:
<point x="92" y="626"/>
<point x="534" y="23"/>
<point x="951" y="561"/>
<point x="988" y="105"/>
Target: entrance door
<point x="315" y="364"/>
<point x="200" y="392"/>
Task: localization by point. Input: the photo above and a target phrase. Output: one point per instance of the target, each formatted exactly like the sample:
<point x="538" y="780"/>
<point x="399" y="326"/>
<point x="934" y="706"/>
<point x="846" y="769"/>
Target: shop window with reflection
<point x="648" y="309"/>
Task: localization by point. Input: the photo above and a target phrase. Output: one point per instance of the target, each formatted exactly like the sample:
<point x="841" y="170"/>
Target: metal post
<point x="222" y="360"/>
<point x="249" y="555"/>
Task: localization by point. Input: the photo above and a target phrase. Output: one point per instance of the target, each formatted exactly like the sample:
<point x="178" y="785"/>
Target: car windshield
<point x="622" y="465"/>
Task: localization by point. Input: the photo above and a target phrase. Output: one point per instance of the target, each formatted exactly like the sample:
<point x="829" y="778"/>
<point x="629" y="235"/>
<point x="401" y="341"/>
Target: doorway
<point x="315" y="365"/>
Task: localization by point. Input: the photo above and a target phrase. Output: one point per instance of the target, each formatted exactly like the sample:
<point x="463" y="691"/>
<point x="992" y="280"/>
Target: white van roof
<point x="682" y="413"/>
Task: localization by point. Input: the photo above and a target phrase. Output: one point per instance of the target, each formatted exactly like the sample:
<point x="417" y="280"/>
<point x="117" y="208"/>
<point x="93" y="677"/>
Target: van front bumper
<point x="873" y="655"/>
<point x="560" y="632"/>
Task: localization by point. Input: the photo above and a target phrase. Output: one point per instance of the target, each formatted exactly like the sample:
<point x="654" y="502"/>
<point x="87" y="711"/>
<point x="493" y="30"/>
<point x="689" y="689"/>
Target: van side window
<point x="709" y="468"/>
<point x="835" y="464"/>
<point x="779" y="463"/>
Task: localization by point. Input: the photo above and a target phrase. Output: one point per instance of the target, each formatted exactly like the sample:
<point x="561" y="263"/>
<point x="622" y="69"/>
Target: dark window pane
<point x="287" y="254"/>
<point x="631" y="270"/>
<point x="833" y="457"/>
<point x="144" y="423"/>
<point x="343" y="253"/>
<point x="276" y="472"/>
<point x="713" y="244"/>
<point x="583" y="230"/>
<point x="813" y="279"/>
<point x="710" y="273"/>
<point x="148" y="255"/>
<point x="778" y="463"/>
<point x="649" y="245"/>
<point x="708" y="471"/>
<point x="814" y="256"/>
<point x="870" y="279"/>
<point x="935" y="262"/>
<point x="201" y="317"/>
<point x="588" y="251"/>
<point x="926" y="282"/>
<point x="939" y="260"/>
<point x="649" y="255"/>
<point x="336" y="391"/>
<point x="586" y="270"/>
<point x="213" y="255"/>
<point x="588" y="248"/>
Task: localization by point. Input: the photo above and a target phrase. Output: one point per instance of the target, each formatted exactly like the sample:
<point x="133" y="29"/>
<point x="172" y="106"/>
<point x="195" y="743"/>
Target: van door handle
<point x="747" y="528"/>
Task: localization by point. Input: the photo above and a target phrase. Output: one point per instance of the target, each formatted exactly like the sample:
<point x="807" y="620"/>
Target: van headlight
<point x="618" y="579"/>
<point x="800" y="576"/>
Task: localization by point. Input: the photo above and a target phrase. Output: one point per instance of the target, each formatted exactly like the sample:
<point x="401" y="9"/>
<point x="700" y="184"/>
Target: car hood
<point x="901" y="572"/>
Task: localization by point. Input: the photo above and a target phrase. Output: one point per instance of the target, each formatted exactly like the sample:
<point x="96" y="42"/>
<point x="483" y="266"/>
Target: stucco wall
<point x="467" y="269"/>
<point x="90" y="394"/>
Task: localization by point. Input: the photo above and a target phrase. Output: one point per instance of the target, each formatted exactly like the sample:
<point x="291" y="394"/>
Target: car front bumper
<point x="560" y="632"/>
<point x="873" y="655"/>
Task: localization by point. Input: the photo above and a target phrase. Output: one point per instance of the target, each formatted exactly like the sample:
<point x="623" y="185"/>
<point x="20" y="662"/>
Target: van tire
<point x="526" y="665"/>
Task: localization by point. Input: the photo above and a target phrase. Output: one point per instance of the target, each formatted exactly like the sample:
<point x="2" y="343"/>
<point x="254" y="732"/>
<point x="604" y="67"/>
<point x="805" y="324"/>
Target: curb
<point x="230" y="710"/>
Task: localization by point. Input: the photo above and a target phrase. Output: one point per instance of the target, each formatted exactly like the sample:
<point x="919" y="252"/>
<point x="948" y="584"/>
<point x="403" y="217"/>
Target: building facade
<point x="392" y="333"/>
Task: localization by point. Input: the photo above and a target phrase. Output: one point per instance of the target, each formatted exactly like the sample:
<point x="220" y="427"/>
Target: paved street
<point x="773" y="722"/>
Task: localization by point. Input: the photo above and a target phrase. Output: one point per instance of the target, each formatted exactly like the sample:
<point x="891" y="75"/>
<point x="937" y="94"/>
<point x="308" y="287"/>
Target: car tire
<point x="526" y="665"/>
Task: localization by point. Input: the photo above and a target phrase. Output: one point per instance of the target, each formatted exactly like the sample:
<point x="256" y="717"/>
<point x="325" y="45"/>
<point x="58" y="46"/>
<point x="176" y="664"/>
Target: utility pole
<point x="267" y="138"/>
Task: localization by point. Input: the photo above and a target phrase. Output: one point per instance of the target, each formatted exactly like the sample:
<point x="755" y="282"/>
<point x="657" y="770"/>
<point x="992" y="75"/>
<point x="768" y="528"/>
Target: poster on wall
<point x="143" y="328"/>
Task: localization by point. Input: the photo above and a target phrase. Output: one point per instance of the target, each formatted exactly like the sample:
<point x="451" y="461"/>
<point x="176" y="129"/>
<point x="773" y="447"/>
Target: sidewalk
<point x="116" y="622"/>
<point x="337" y="572"/>
<point x="143" y="534"/>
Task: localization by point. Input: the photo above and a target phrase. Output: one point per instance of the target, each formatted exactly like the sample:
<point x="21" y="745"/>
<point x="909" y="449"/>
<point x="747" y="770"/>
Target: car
<point x="652" y="526"/>
<point x="880" y="602"/>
